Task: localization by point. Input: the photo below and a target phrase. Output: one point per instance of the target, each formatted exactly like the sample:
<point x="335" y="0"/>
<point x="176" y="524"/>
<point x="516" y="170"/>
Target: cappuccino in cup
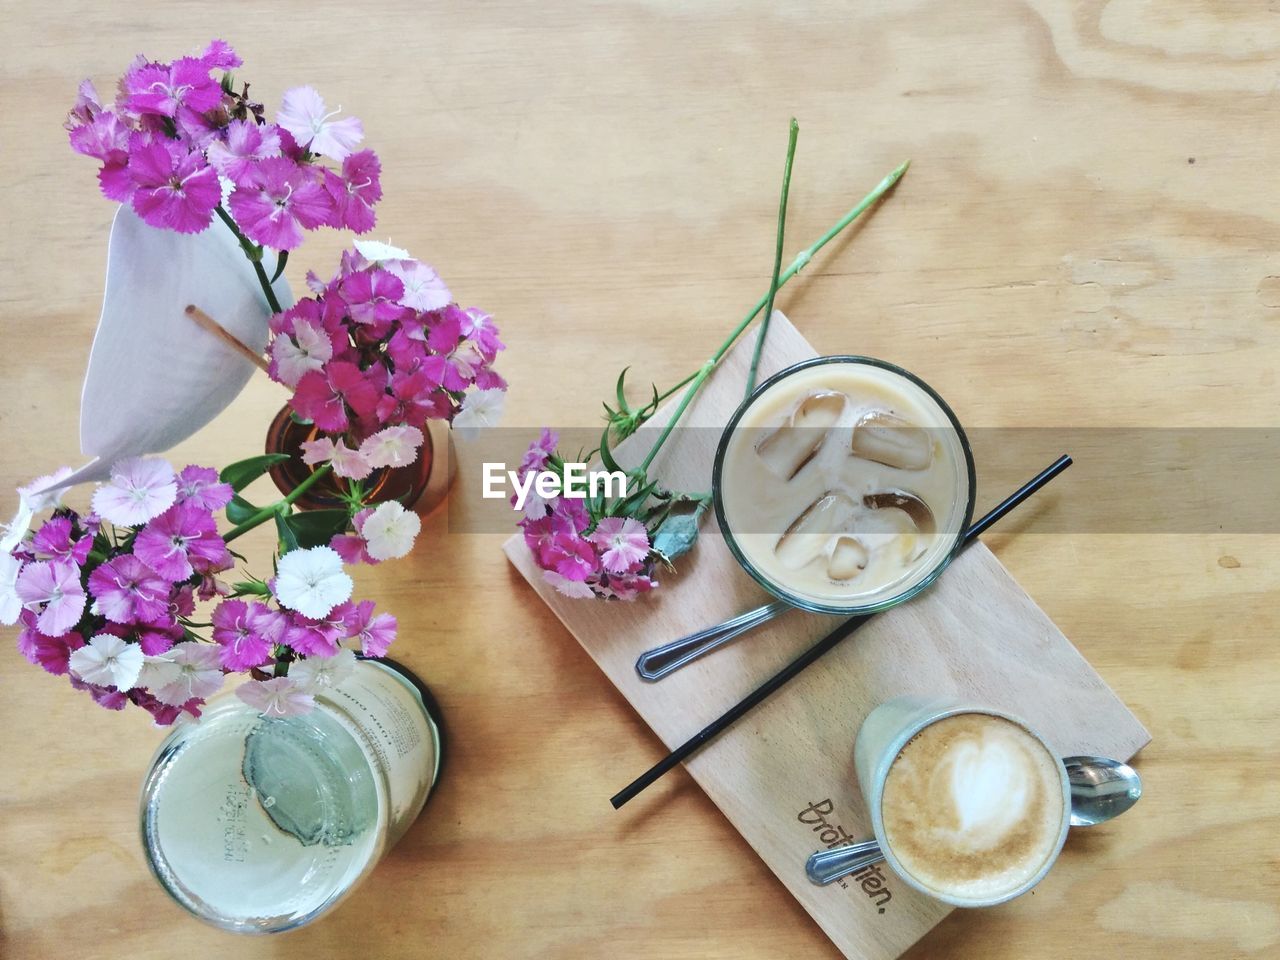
<point x="968" y="805"/>
<point x="843" y="484"/>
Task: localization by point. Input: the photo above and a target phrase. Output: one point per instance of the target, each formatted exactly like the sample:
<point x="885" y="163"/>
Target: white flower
<point x="376" y="250"/>
<point x="570" y="588"/>
<point x="392" y="446"/>
<point x="308" y="349"/>
<point x="32" y="498"/>
<point x="481" y="408"/>
<point x="389" y="531"/>
<point x="423" y="288"/>
<point x="10" y="602"/>
<point x="106" y="660"/>
<point x="277" y="697"/>
<point x="194" y="671"/>
<point x="302" y="113"/>
<point x="312" y="581"/>
<point x="140" y="489"/>
<point x="315" y="672"/>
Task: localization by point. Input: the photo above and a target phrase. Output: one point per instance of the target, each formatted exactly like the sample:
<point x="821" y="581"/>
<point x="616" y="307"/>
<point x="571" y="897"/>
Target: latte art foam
<point x="973" y="806"/>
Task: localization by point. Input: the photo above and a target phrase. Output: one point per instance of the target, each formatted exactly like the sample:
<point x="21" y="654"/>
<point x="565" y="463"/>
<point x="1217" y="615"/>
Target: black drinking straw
<point x="787" y="673"/>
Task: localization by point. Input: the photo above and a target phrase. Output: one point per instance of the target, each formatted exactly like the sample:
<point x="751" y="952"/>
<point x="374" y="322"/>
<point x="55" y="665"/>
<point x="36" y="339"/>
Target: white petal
<point x="376" y="250"/>
<point x="154" y="376"/>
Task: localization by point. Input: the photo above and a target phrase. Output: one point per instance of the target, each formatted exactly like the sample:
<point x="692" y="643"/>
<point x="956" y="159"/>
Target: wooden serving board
<point x="784" y="774"/>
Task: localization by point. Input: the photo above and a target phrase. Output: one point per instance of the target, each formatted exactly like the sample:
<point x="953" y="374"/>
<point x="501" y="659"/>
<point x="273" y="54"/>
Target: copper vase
<point x="421" y="486"/>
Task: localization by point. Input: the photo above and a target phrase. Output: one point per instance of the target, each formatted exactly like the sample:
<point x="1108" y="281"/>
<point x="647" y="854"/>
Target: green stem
<point x="663" y="396"/>
<point x="777" y="259"/>
<point x="248" y="246"/>
<point x="266" y="513"/>
<point x="801" y="261"/>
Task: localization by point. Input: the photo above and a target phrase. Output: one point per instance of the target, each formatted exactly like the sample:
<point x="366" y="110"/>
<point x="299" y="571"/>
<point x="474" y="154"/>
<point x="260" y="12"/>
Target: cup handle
<point x="826" y="866"/>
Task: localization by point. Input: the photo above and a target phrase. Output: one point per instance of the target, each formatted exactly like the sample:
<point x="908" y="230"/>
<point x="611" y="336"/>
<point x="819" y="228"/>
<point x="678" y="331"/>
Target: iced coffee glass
<point x="843" y="485"/>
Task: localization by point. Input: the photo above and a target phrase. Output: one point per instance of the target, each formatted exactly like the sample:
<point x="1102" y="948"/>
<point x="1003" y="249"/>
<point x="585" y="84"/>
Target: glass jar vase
<point x="261" y="825"/>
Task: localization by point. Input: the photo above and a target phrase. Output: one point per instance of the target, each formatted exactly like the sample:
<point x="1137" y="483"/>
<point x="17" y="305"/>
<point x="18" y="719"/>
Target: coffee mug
<point x="968" y="804"/>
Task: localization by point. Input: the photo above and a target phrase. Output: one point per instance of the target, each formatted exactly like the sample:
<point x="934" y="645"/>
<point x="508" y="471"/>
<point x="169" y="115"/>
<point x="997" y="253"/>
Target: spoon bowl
<point x="1101" y="789"/>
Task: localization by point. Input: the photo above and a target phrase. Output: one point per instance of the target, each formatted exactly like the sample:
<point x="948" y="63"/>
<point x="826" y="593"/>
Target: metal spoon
<point x="1101" y="789"/>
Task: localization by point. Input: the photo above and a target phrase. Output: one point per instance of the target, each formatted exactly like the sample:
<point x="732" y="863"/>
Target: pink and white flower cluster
<point x="376" y="352"/>
<point x="109" y="599"/>
<point x="177" y="139"/>
<point x="580" y="555"/>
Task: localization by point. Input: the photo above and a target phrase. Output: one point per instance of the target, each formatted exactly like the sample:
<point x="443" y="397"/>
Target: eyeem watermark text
<point x="577" y="483"/>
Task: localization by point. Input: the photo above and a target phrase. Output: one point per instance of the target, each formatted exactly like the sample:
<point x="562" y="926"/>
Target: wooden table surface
<point x="1087" y="237"/>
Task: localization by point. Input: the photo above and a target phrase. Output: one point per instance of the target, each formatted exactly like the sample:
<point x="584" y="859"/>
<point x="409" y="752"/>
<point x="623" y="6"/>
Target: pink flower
<point x="105" y="138"/>
<point x="392" y="447"/>
<point x="163" y="89"/>
<point x="539" y="452"/>
<point x="52" y="653"/>
<point x="277" y="697"/>
<point x="375" y="634"/>
<point x="219" y="56"/>
<point x="626" y="587"/>
<point x="315" y="638"/>
<point x="246" y="141"/>
<point x="174" y="189"/>
<point x="53" y="540"/>
<point x="323" y="397"/>
<point x="53" y="589"/>
<point x="276" y="199"/>
<point x="415" y="397"/>
<point x="302" y="113"/>
<point x="623" y="542"/>
<point x="354" y="549"/>
<point x="126" y="590"/>
<point x="139" y="489"/>
<point x="308" y="349"/>
<point x="201" y="487"/>
<point x="478" y="327"/>
<point x="372" y="295"/>
<point x="423" y="288"/>
<point x="189" y="671"/>
<point x="572" y="557"/>
<point x="356" y="190"/>
<point x="180" y="541"/>
<point x="346" y="462"/>
<point x="247" y="632"/>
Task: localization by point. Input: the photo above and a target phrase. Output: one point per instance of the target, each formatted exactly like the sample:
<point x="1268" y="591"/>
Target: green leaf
<point x="622" y="393"/>
<point x="606" y="455"/>
<point x="634" y="503"/>
<point x="239" y="510"/>
<point x="250" y="588"/>
<point x="281" y="259"/>
<point x="243" y="472"/>
<point x="288" y="539"/>
<point x="315" y="528"/>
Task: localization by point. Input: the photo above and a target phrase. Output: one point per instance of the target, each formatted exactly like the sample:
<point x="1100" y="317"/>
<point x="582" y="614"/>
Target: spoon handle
<point x="657" y="663"/>
<point x="826" y="866"/>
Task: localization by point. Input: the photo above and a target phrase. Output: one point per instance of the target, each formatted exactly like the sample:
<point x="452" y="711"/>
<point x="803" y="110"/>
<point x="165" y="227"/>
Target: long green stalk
<point x="266" y="513"/>
<point x="801" y="261"/>
<point x="777" y="259"/>
<point x="248" y="246"/>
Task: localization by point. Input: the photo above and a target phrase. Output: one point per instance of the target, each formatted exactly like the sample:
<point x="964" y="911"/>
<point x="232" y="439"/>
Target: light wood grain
<point x="783" y="775"/>
<point x="604" y="179"/>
